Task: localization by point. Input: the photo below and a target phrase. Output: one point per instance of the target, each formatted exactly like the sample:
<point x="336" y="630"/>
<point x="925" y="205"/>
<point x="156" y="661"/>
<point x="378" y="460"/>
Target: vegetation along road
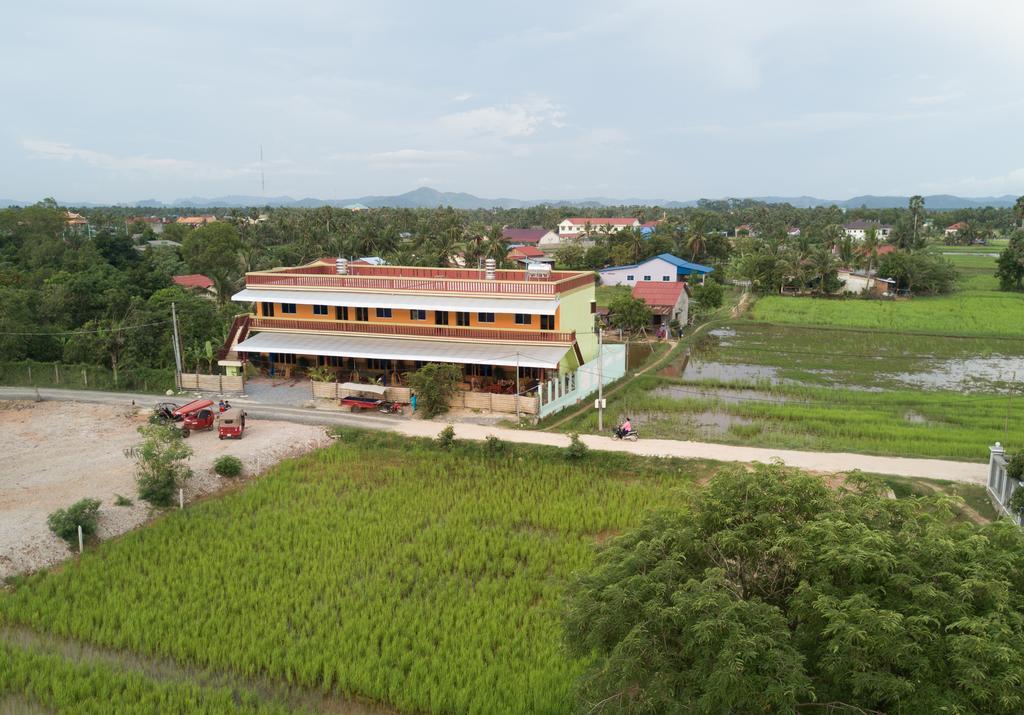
<point x="814" y="461"/>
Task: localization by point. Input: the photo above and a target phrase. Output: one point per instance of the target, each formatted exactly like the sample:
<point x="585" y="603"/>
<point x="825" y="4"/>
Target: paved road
<point x="967" y="472"/>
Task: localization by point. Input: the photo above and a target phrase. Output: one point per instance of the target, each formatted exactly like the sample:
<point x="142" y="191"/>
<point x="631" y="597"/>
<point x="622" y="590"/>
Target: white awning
<point x="518" y="304"/>
<point x="508" y="355"/>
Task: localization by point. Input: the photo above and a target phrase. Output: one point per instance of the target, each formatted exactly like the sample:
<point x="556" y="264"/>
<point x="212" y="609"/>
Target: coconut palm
<point x="916" y="206"/>
<point x="1018" y="211"/>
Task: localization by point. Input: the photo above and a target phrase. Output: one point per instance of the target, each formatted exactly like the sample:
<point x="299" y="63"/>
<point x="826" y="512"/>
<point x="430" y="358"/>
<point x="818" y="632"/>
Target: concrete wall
<point x="657" y="268"/>
<point x="567" y="390"/>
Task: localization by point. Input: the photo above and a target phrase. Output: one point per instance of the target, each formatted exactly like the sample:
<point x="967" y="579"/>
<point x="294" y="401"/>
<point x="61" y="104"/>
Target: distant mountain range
<point x="431" y="198"/>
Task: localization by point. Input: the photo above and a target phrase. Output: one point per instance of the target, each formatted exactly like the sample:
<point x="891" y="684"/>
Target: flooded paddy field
<point x="834" y="389"/>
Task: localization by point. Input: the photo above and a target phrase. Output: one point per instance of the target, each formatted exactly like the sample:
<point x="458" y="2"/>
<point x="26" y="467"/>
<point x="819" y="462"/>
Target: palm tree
<point x="697" y="242"/>
<point x="822" y="264"/>
<point x="1018" y="211"/>
<point x="870" y="250"/>
<point x="917" y="212"/>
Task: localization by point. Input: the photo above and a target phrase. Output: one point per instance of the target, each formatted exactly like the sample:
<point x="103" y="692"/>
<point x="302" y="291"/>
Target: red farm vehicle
<point x="232" y="425"/>
<point x="195" y="415"/>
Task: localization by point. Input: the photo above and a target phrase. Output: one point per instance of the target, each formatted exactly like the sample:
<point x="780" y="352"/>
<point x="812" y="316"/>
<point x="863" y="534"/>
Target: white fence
<point x="569" y="389"/>
<point x="1000" y="486"/>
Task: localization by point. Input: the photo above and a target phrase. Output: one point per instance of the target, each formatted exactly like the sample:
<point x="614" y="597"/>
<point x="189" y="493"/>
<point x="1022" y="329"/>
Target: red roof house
<point x="527" y="236"/>
<point x="195" y="281"/>
<point x="668" y="300"/>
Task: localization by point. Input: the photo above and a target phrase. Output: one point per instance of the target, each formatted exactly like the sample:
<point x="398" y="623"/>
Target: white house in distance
<point x="572" y="227"/>
<point x="663" y="268"/>
<point x="858" y="230"/>
<point x="955" y="228"/>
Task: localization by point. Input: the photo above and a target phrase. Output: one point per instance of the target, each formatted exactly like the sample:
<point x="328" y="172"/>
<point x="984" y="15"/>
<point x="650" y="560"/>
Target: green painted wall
<point x="574" y="314"/>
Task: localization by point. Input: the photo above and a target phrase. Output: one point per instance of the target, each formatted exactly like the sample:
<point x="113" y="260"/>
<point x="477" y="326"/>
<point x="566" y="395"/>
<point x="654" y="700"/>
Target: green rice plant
<point x="47" y="680"/>
<point x="383" y="567"/>
<point x="963" y="313"/>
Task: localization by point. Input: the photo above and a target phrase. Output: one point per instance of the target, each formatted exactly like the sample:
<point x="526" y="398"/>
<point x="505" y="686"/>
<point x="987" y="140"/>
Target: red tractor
<point x="196" y="415"/>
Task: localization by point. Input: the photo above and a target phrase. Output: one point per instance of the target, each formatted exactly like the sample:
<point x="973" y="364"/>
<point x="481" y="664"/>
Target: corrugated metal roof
<point x="544" y="356"/>
<point x="518" y="304"/>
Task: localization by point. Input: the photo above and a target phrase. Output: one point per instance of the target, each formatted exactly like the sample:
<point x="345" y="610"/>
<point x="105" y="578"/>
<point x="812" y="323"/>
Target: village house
<point x="529" y="236"/>
<point x="154" y="223"/>
<point x="858" y="230"/>
<point x="528" y="254"/>
<point x="858" y="282"/>
<point x="663" y="268"/>
<point x="193" y="221"/>
<point x="576" y="227"/>
<point x="501" y="327"/>
<point x="667" y="301"/>
<point x="745" y="229"/>
<point x="955" y="228"/>
<point x="76" y="223"/>
<point x="196" y="282"/>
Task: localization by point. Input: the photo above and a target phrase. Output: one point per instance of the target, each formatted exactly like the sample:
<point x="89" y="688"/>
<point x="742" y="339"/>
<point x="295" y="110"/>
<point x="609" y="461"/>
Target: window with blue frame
<point x="288" y="308"/>
<point x="319" y="310"/>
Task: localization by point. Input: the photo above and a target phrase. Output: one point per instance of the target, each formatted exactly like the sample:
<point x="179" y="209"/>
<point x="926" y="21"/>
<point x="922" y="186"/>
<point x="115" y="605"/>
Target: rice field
<point x="36" y="681"/>
<point x="973" y="313"/>
<point x="427" y="579"/>
<point x="912" y="423"/>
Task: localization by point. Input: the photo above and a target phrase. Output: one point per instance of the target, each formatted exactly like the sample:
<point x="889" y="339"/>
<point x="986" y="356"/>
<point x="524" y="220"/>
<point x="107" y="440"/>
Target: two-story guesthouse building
<point x="381" y="322"/>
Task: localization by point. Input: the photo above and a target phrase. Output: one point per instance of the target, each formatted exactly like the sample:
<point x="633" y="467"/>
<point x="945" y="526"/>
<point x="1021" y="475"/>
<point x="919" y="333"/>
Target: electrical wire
<point x="89" y="332"/>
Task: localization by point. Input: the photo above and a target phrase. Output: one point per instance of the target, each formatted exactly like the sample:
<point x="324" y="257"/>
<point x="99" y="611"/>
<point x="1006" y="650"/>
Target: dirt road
<point x="966" y="472"/>
<point x="59" y="452"/>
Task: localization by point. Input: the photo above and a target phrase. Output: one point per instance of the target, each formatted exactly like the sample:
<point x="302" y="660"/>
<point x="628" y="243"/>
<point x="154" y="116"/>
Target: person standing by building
<point x="412" y="402"/>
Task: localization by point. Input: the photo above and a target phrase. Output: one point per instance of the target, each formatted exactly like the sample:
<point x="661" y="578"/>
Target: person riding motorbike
<point x="625" y="428"/>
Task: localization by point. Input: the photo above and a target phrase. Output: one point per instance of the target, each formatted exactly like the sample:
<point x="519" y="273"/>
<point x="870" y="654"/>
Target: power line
<point x="89" y="332"/>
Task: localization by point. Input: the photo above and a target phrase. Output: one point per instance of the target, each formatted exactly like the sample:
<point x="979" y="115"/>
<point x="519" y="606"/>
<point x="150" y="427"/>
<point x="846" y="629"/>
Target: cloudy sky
<point x="124" y="100"/>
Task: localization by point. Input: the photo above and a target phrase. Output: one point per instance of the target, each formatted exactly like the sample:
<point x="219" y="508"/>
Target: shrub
<point x="122" y="500"/>
<point x="228" y="466"/>
<point x="494" y="446"/>
<point x="576" y="448"/>
<point x="65" y="522"/>
<point x="160" y="467"/>
<point x="447" y="437"/>
<point x="434" y="384"/>
<point x="1015" y="467"/>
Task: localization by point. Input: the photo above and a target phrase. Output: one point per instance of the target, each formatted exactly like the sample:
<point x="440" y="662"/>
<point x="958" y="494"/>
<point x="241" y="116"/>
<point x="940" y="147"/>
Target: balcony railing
<point x="421" y="284"/>
<point x="421" y="331"/>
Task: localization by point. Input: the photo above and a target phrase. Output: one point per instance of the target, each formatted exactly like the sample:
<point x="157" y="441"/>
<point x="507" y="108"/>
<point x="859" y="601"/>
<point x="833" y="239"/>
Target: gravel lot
<point x="60" y="452"/>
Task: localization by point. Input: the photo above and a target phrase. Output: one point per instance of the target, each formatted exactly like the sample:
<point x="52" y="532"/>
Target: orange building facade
<point x="381" y="322"/>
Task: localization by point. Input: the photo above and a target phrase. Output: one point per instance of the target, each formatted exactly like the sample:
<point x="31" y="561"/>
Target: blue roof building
<point x="661" y="268"/>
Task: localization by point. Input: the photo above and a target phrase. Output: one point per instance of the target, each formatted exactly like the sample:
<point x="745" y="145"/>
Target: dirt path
<point x="59" y="452"/>
<point x="828" y="462"/>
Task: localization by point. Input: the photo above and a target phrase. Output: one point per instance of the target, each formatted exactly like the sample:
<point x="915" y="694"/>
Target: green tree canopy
<point x="772" y="592"/>
<point x="629" y="313"/>
<point x="1010" y="267"/>
<point x="214" y="250"/>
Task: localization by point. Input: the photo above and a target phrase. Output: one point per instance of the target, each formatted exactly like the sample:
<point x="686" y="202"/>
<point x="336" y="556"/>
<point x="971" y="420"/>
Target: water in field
<point x="998" y="373"/>
<point x="852" y="359"/>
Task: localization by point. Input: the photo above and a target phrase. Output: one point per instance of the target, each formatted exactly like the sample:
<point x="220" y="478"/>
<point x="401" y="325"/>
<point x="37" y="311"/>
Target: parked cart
<point x="367" y="397"/>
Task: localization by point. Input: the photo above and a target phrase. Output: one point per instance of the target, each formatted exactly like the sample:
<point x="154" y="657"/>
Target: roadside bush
<point x="707" y="297"/>
<point x="1015" y="467"/>
<point x="228" y="466"/>
<point x="494" y="446"/>
<point x="446" y="438"/>
<point x="122" y="500"/>
<point x="65" y="522"/>
<point x="160" y="468"/>
<point x="434" y="384"/>
<point x="576" y="448"/>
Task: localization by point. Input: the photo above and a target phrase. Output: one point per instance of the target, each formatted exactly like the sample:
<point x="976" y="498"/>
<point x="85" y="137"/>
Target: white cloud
<point x="409" y="158"/>
<point x="506" y="121"/>
<point x="462" y="97"/>
<point x="101" y="160"/>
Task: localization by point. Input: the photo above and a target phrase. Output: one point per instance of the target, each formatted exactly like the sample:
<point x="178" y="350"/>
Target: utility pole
<point x="600" y="380"/>
<point x="518" y="417"/>
<point x="177" y="346"/>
